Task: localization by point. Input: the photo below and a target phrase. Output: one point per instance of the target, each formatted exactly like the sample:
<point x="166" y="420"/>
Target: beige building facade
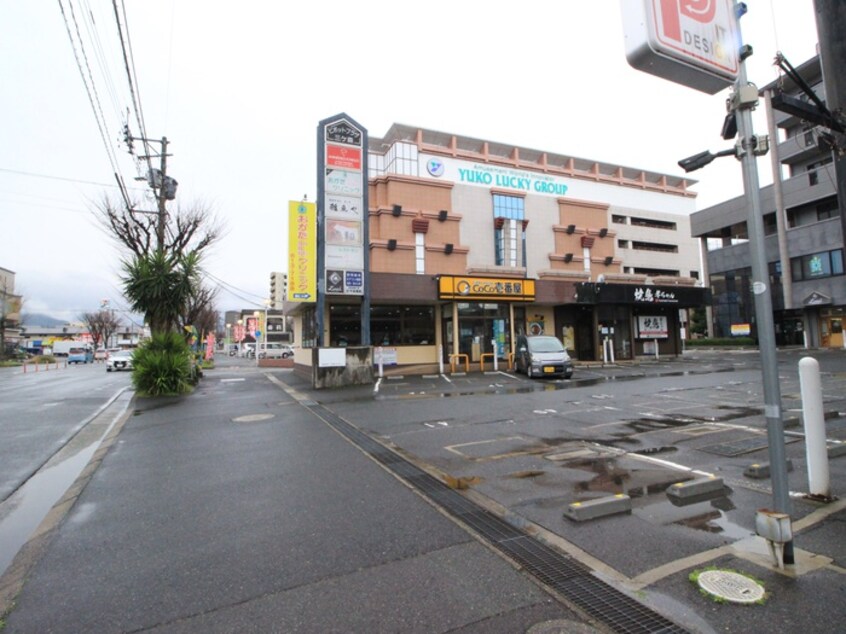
<point x="473" y="242"/>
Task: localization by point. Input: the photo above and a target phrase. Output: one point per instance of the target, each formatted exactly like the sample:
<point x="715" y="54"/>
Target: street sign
<point x="690" y="42"/>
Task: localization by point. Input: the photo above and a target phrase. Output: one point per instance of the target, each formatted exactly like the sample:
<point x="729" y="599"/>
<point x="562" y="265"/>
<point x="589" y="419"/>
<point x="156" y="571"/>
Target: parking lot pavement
<point x="637" y="430"/>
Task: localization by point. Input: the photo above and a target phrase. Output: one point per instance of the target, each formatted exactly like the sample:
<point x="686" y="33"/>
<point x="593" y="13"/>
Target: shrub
<point x="162" y="366"/>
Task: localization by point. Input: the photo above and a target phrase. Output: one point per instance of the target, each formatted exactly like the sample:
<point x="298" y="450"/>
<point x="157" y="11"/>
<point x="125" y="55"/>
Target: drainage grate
<point x="567" y="576"/>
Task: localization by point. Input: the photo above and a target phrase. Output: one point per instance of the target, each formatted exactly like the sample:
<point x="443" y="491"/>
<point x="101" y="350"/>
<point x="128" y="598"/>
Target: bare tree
<point x="161" y="277"/>
<point x="200" y="311"/>
<point x="101" y="325"/>
<point x="188" y="230"/>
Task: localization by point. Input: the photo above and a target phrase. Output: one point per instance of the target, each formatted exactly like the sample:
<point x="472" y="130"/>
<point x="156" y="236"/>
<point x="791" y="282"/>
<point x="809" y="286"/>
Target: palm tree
<point x="159" y="285"/>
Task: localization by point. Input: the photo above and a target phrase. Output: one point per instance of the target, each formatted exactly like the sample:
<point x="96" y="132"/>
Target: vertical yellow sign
<point x="302" y="251"/>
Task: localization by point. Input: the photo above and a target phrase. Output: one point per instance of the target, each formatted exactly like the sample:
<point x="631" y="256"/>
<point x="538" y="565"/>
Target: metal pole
<point x="763" y="308"/>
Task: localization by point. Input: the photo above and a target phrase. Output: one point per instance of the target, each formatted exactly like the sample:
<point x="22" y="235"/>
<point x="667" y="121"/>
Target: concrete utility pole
<point x="160" y="228"/>
<point x="831" y="26"/>
<point x="159" y="181"/>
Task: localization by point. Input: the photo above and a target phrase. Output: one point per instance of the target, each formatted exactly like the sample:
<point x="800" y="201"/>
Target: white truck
<point x="62" y="348"/>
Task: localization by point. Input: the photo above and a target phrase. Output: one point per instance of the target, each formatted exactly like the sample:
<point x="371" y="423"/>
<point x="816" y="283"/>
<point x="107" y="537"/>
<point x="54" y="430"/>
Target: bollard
<point x="441" y="359"/>
<point x="493" y="347"/>
<point x="657" y="356"/>
<point x="379" y="352"/>
<point x="814" y="420"/>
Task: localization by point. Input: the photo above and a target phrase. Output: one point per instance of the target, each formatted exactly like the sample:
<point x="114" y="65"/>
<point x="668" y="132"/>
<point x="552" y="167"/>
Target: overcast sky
<point x="239" y="88"/>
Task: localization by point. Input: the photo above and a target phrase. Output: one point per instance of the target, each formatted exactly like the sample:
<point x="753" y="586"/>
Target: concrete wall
<point x="357" y="371"/>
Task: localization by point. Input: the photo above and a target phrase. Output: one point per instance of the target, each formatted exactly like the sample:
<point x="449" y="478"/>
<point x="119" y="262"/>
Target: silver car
<point x="120" y="360"/>
<point x="542" y="355"/>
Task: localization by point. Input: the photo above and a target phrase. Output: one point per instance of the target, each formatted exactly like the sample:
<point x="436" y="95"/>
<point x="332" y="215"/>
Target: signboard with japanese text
<point x="481" y="288"/>
<point x="344" y="157"/>
<point x="343" y="214"/>
<point x="302" y="251"/>
<point x="652" y="327"/>
<point x="690" y="42"/>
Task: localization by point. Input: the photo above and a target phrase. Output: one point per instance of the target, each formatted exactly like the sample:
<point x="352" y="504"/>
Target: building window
<point x="617" y="219"/>
<point x="817" y="265"/>
<point x="654" y="246"/>
<point x="402" y="325"/>
<point x="420" y="253"/>
<point x="653" y="224"/>
<point x="639" y="270"/>
<point x="344" y="325"/>
<point x="622" y="244"/>
<point x="509" y="234"/>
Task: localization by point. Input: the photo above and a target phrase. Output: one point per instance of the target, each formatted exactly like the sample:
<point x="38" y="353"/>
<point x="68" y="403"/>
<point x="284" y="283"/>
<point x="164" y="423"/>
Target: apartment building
<point x="806" y="261"/>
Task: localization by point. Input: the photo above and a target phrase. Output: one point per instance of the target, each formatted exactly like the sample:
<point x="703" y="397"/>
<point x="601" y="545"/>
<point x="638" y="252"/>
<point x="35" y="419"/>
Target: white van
<point x="276" y="351"/>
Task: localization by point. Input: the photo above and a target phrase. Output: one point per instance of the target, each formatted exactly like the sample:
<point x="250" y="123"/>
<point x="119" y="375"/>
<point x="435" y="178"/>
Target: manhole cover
<point x="252" y="418"/>
<point x="730" y="586"/>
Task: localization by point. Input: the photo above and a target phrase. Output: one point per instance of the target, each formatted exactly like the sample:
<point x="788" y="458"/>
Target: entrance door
<point x="483" y="328"/>
<point x="585" y="345"/>
<point x="832" y="332"/>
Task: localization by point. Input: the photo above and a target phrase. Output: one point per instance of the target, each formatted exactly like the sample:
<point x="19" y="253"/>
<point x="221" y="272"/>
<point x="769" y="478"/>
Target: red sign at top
<point x="343" y="156"/>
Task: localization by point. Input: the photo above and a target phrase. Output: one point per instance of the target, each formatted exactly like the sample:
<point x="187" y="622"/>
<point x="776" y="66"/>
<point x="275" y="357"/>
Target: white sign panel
<point x="690" y="42"/>
<point x="343" y="207"/>
<point x="331" y="357"/>
<point x="652" y="327"/>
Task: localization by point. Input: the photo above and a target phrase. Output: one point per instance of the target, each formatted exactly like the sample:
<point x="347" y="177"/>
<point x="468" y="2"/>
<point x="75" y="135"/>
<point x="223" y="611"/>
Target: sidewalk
<point x="237" y="509"/>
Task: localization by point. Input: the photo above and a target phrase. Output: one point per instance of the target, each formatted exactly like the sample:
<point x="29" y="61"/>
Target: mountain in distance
<point x="39" y="319"/>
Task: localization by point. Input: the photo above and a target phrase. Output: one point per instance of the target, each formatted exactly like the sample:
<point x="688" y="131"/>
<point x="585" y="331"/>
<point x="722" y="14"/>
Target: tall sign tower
<point x="343" y="237"/>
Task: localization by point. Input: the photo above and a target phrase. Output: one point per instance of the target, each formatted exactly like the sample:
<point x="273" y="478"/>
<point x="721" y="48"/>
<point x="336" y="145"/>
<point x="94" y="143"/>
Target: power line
<point x="90" y="90"/>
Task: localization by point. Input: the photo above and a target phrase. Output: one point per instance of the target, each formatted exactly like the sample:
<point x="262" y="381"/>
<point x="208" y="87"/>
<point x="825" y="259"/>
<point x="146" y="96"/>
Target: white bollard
<point x="814" y="421"/>
<point x="441" y="359"/>
<point x="493" y="348"/>
<point x="605" y="350"/>
<point x="657" y="356"/>
<point x="381" y="367"/>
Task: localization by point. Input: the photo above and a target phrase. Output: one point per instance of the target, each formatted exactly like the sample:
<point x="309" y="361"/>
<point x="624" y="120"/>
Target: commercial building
<point x="803" y="241"/>
<point x="10" y="312"/>
<point x="472" y="242"/>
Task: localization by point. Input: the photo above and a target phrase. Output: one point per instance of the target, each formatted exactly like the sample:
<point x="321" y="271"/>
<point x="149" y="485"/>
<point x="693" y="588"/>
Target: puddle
<point x="26" y="508"/>
<point x="708" y="516"/>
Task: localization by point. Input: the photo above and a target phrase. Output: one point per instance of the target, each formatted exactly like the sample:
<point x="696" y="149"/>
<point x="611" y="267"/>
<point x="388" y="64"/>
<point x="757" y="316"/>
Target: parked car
<point x="276" y="351"/>
<point x="120" y="360"/>
<point x="542" y="355"/>
<point x="101" y="354"/>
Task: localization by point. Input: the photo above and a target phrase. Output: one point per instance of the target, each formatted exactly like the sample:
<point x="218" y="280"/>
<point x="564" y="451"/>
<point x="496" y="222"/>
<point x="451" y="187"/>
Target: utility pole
<point x="160" y="228"/>
<point x="831" y="25"/>
<point x="163" y="185"/>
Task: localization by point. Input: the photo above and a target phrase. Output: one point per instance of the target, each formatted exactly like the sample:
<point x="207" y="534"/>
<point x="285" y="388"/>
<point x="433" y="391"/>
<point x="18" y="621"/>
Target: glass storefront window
<point x="402" y="325"/>
<point x="344" y="325"/>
